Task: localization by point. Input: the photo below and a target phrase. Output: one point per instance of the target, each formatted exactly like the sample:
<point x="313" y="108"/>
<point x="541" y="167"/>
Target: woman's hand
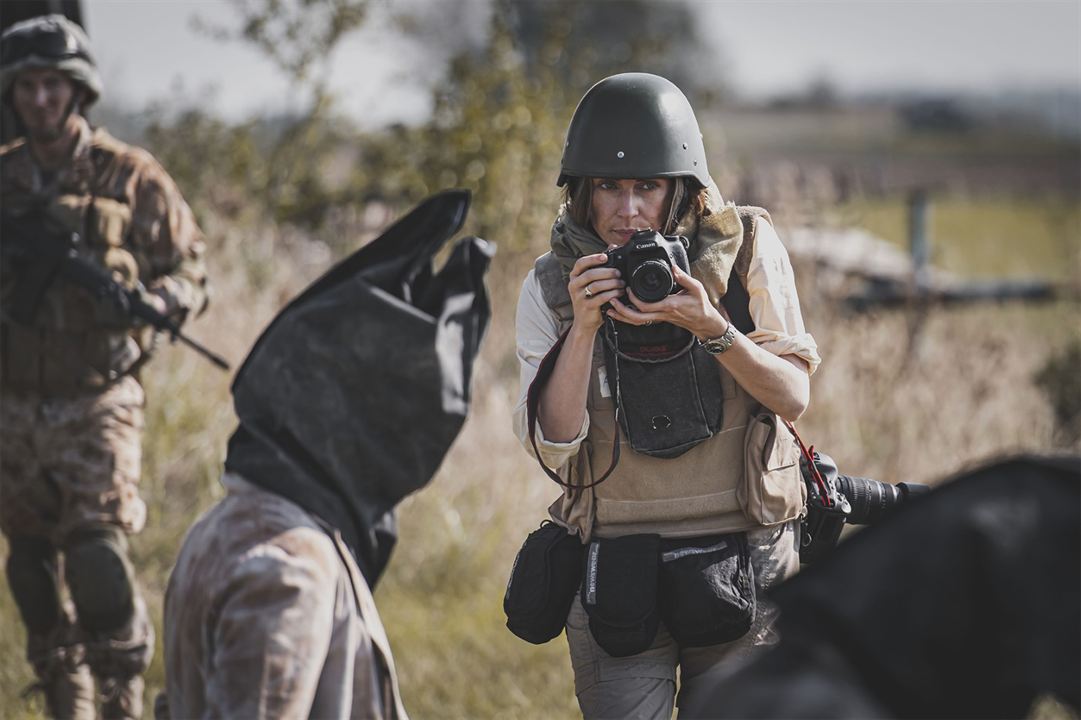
<point x="591" y="285"/>
<point x="562" y="408"/>
<point x="779" y="383"/>
<point x="689" y="309"/>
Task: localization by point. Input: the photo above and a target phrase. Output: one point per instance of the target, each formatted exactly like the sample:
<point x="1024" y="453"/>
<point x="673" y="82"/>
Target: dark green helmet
<point x="49" y="41"/>
<point x="634" y="125"/>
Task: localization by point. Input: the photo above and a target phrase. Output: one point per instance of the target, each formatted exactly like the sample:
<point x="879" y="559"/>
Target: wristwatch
<point x="716" y="346"/>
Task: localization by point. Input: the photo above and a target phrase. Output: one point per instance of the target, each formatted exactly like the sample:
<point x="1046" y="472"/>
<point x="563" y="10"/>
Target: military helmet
<point x="634" y="125"/>
<point x="49" y="41"/>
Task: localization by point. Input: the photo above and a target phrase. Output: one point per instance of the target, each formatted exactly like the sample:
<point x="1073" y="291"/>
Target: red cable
<point x="808" y="454"/>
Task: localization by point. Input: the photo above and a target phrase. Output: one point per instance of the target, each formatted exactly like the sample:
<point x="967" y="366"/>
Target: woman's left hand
<point x="689" y="309"/>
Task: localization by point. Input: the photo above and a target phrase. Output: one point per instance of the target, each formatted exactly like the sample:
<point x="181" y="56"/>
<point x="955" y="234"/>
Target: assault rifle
<point x="43" y="254"/>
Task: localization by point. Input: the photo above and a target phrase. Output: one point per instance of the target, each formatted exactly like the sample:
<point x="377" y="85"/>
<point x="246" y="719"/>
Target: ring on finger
<point x="649" y="322"/>
<point x="589" y="293"/>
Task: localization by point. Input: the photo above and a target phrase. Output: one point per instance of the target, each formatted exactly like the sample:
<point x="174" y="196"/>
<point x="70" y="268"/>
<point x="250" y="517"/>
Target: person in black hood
<point x="346" y="404"/>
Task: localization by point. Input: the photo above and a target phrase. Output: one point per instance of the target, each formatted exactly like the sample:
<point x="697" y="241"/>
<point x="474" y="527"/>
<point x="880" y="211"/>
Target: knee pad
<point x="32" y="576"/>
<point x="100" y="578"/>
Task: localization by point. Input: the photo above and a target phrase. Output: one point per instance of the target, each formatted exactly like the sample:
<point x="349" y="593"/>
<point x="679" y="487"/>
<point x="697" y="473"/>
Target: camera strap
<point x="808" y="455"/>
<point x="544" y="374"/>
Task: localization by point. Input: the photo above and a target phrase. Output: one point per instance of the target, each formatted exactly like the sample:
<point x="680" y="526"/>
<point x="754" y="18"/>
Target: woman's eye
<point x="648" y="186"/>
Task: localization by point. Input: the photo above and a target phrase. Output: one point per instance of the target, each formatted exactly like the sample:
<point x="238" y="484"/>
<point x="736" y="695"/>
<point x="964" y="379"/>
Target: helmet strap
<point x="677" y="207"/>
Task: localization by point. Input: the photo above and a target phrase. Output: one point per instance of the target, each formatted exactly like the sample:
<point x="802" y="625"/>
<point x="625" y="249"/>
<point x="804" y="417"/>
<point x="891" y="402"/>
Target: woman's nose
<point x="628" y="204"/>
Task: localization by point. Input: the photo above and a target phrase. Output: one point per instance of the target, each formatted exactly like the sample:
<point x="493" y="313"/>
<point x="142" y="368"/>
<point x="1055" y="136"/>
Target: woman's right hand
<point x="591" y="285"/>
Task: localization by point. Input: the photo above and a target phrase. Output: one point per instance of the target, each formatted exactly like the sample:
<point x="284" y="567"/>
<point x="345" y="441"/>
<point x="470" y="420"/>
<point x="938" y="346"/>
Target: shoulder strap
<point x="553" y="284"/>
<point x="544" y="372"/>
<point x="737" y="301"/>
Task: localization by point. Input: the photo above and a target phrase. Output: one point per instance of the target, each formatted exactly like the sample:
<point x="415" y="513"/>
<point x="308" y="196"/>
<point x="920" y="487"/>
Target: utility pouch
<point x="707" y="595"/>
<point x="619" y="593"/>
<point x="771" y="491"/>
<point x="543" y="580"/>
<point x="668" y="401"/>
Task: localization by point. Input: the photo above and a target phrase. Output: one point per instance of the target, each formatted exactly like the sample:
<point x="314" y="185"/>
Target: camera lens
<point x="870" y="499"/>
<point x="652" y="280"/>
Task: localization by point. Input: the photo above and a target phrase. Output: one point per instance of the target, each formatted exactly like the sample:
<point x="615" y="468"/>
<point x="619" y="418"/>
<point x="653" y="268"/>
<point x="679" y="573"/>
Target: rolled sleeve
<point x="774" y="304"/>
<point x="537" y="331"/>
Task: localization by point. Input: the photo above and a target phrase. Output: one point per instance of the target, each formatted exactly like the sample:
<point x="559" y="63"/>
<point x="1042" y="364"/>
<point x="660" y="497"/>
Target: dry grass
<point x="899" y="397"/>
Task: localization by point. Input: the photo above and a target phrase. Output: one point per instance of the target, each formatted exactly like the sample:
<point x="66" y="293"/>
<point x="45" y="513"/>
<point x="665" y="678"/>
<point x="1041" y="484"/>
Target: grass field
<point x="898" y="397"/>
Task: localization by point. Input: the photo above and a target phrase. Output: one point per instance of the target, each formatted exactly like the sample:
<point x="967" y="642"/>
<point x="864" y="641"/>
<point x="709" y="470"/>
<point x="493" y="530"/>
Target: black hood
<point x="351" y="397"/>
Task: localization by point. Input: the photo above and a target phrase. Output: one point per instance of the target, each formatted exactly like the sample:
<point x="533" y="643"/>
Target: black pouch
<point x="542" y="583"/>
<point x="619" y="593"/>
<point x="669" y="395"/>
<point x="707" y="595"/>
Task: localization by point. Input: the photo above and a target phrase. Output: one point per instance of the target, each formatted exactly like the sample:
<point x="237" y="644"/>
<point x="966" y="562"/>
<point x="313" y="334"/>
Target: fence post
<point x="919" y="243"/>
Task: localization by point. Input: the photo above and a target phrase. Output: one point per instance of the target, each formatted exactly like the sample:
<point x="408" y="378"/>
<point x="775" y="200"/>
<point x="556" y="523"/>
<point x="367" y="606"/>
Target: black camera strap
<point x="544" y="374"/>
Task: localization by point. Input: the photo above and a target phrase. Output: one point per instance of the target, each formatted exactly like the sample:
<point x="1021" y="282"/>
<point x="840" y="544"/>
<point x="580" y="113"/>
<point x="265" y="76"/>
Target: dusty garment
<point x="268" y="616"/>
<point x="131" y="219"/>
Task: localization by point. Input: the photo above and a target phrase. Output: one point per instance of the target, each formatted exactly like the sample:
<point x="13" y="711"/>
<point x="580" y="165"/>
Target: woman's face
<point x="621" y="207"/>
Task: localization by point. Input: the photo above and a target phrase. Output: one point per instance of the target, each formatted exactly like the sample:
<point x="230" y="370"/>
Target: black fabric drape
<point x="351" y="397"/>
<point x="965" y="603"/>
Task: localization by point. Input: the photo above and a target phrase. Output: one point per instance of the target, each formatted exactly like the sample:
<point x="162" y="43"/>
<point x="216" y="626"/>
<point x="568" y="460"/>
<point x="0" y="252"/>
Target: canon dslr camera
<point x="646" y="262"/>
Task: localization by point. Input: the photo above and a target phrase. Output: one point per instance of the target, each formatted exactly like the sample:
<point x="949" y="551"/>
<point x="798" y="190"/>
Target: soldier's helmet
<point x="49" y="41"/>
<point x="634" y="125"/>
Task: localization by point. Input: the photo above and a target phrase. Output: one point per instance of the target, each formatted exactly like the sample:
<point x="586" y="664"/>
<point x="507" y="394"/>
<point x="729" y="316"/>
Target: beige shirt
<point x="268" y="616"/>
<point x="774" y="308"/>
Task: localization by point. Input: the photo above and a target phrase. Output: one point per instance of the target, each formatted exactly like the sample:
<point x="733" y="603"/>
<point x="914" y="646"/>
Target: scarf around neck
<point x="715" y="238"/>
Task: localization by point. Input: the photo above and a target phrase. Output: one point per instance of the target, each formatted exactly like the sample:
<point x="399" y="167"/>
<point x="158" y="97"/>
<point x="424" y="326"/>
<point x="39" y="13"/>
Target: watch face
<point x="716" y="346"/>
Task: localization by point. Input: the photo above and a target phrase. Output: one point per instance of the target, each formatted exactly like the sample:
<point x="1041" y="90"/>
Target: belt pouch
<point x="619" y="593"/>
<point x="542" y="583"/>
<point x="707" y="595"/>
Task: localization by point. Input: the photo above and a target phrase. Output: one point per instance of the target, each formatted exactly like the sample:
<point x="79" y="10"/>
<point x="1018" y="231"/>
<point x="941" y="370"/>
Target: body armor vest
<point x="704" y="489"/>
<point x="71" y="344"/>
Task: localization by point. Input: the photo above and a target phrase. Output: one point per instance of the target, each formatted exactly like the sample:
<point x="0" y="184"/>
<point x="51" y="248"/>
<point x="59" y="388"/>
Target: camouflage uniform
<point x="268" y="616"/>
<point x="71" y="405"/>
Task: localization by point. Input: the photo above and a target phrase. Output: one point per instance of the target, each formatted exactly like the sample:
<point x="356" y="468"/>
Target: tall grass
<point x="900" y="396"/>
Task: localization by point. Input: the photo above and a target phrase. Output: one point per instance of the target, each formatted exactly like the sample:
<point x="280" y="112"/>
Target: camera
<point x="843" y="499"/>
<point x="646" y="262"/>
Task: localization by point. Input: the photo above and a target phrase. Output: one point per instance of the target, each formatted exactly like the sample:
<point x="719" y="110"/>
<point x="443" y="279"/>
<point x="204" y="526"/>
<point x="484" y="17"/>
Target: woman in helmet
<point x="660" y="418"/>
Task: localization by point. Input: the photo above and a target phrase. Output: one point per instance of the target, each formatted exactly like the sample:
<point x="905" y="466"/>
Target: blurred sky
<point x="148" y="51"/>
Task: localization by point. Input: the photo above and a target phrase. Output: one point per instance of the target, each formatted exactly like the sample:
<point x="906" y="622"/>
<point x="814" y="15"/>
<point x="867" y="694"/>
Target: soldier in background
<point x="72" y="405"/>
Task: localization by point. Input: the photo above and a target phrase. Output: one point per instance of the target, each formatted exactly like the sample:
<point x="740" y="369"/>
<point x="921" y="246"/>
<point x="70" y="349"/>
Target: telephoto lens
<point x="871" y="500"/>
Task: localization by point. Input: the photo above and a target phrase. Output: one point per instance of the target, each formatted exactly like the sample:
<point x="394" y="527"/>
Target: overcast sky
<point x="148" y="51"/>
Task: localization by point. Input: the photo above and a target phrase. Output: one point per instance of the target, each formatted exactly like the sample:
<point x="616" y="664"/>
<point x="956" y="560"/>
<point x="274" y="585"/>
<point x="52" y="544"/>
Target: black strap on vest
<point x="544" y="373"/>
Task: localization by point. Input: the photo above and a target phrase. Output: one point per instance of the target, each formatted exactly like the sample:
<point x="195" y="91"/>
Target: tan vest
<point x="743" y="477"/>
